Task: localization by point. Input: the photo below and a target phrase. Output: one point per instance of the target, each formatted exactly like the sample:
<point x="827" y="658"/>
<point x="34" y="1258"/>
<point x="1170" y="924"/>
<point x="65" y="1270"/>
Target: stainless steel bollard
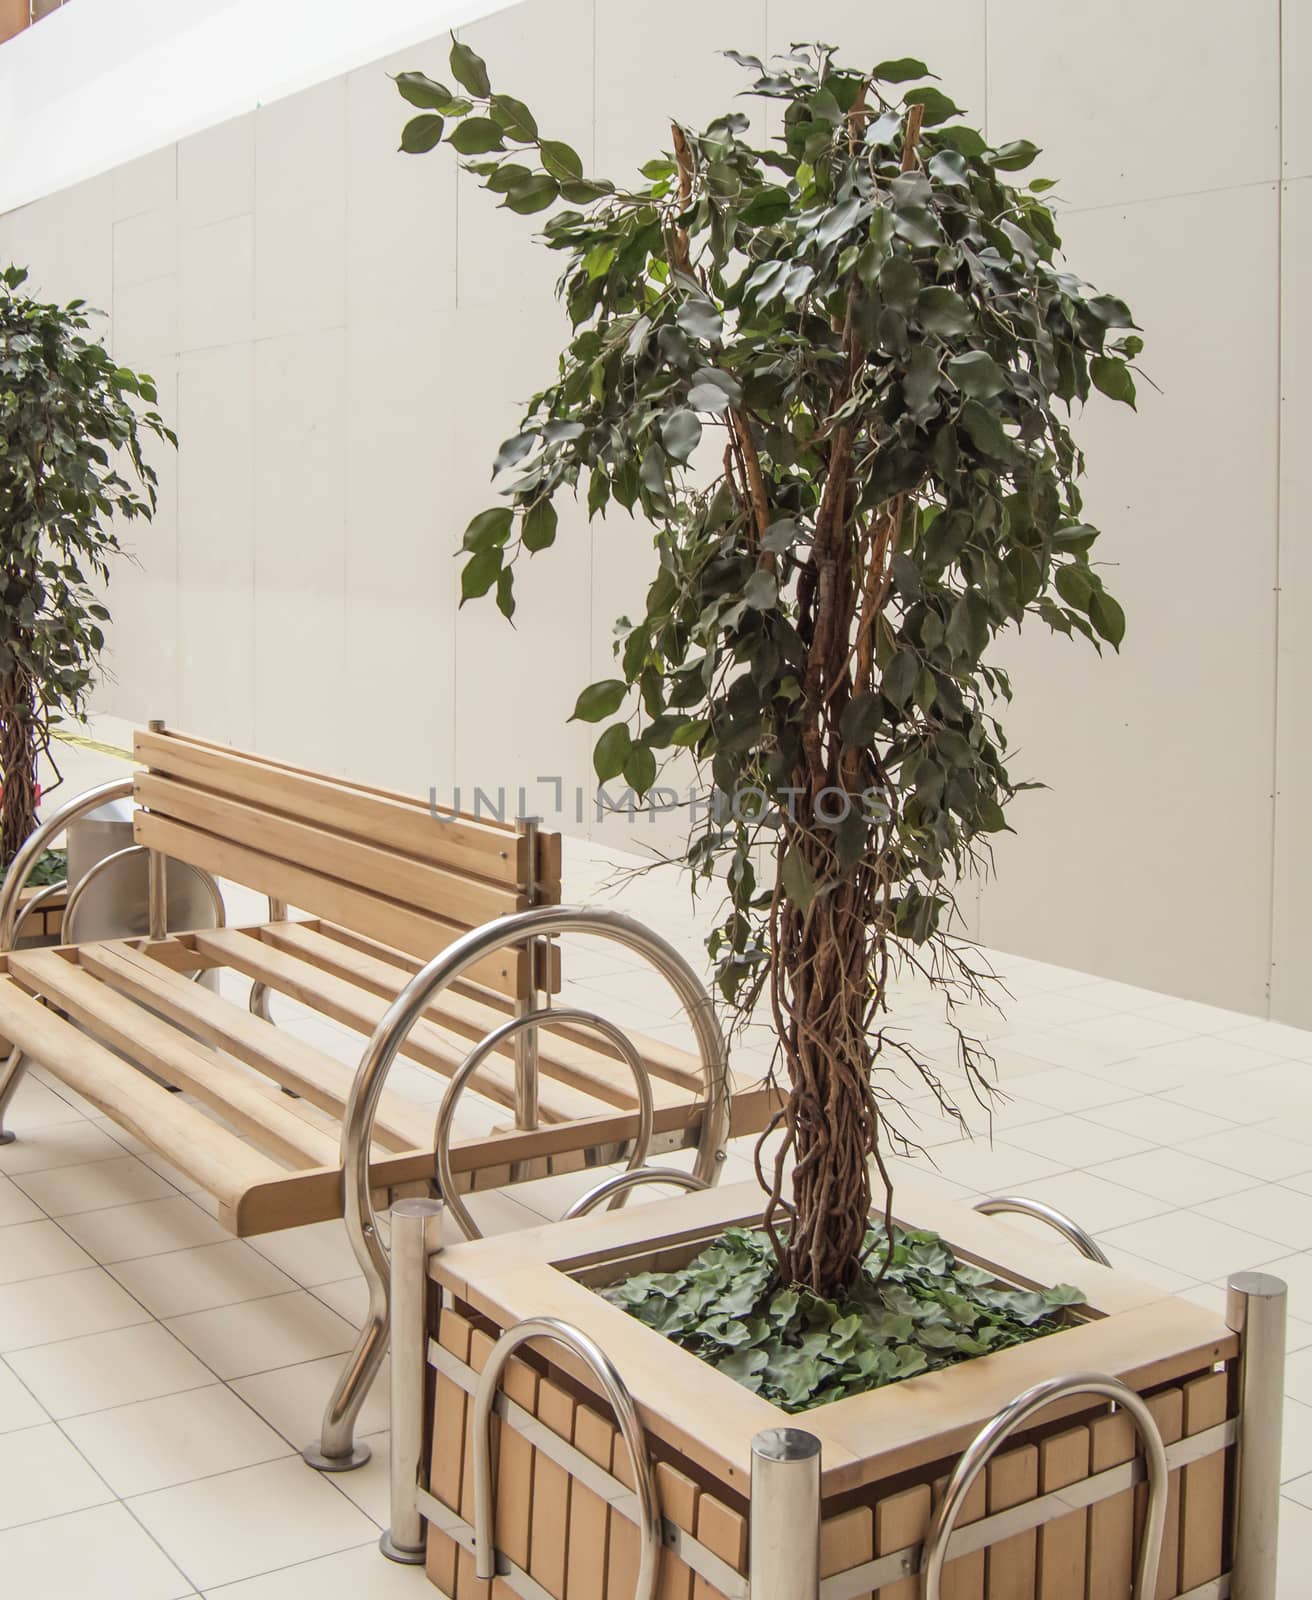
<point x="416" y="1235"/>
<point x="1256" y="1305"/>
<point x="784" y="1560"/>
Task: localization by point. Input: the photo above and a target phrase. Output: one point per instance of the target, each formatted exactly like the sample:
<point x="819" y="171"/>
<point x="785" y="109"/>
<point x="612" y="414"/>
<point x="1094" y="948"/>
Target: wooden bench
<point x="386" y="886"/>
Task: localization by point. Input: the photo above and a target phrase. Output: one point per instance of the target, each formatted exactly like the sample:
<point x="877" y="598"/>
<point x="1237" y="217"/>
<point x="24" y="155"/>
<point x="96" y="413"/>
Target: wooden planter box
<point x="884" y="1456"/>
<point x="45" y="924"/>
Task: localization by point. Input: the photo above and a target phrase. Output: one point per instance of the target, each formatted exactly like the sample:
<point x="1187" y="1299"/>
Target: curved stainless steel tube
<point x="336" y="1449"/>
<point x="39" y="839"/>
<point x="46" y="892"/>
<point x="626" y="1415"/>
<point x="1009" y="1420"/>
<point x="620" y="1183"/>
<point x="1069" y="1230"/>
<point x="479" y="1054"/>
<point x="89" y="876"/>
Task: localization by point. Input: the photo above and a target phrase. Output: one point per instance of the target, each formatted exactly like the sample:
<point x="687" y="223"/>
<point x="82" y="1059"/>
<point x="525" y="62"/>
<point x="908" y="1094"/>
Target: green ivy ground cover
<point x="51" y="866"/>
<point x="798" y="1350"/>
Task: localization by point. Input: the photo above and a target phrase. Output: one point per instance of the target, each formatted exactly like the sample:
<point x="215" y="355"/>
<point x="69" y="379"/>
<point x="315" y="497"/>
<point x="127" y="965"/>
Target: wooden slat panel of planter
<point x="724" y="1533"/>
<point x="589" y="1548"/>
<point x="449" y="1409"/>
<point x="1011" y="1565"/>
<point x="1063" y="1544"/>
<point x="1202" y="1492"/>
<point x="1168" y="1413"/>
<point x="1111" y="1522"/>
<point x="900" y="1520"/>
<point x="963" y="1579"/>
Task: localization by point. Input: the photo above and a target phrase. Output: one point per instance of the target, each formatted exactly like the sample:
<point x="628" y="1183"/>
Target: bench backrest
<point x="379" y="863"/>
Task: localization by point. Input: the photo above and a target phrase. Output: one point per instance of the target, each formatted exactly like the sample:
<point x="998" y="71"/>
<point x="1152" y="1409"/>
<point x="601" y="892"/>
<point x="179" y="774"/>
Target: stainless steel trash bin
<point x="115" y="904"/>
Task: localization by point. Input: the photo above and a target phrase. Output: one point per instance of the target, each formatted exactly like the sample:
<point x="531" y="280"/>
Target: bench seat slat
<point x="450" y="896"/>
<point x="277" y="1054"/>
<point x="209" y="1154"/>
<point x="573" y="1055"/>
<point x="156" y="1045"/>
<point x="355" y="1008"/>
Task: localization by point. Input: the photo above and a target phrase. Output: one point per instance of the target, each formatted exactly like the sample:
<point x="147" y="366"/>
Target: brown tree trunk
<point x="18" y="763"/>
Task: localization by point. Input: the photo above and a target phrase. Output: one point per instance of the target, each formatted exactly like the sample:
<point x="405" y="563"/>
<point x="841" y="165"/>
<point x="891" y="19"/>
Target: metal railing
<point x="1013" y="1203"/>
<point x="337" y="1449"/>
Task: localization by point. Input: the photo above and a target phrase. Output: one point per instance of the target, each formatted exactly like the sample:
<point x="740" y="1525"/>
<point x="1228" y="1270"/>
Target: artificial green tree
<point x="833" y="373"/>
<point x="72" y="474"/>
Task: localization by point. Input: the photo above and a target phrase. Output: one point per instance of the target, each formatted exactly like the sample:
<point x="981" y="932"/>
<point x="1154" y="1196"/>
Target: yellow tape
<point x="92" y="744"/>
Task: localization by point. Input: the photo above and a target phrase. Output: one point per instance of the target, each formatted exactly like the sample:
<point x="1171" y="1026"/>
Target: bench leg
<point x="11" y="1075"/>
<point x="337" y="1449"/>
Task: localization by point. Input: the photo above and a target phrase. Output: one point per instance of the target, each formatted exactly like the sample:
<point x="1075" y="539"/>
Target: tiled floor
<point x="157" y="1378"/>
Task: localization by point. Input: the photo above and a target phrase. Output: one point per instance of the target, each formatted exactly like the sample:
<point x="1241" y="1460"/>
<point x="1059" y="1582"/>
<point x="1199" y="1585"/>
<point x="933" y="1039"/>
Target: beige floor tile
<point x="1277" y="1037"/>
<point x="292" y="1399"/>
<point x="1271" y="1209"/>
<point x="319" y="1253"/>
<point x="1258" y="1152"/>
<point x="19" y="1408"/>
<point x="258" y="1335"/>
<point x="108" y="1369"/>
<point x="1093" y="1202"/>
<point x="991" y="1169"/>
<point x="1129" y="1031"/>
<point x="1195" y="1245"/>
<point x="1159" y="1121"/>
<point x="36" y="1106"/>
<point x="173" y="1439"/>
<point x="1067" y="1089"/>
<point x="64" y="1307"/>
<point x="15" y="1207"/>
<point x="99" y="1183"/>
<point x="37" y="1249"/>
<point x="1296" y="1270"/>
<point x="1296" y="1441"/>
<point x="1075" y="1141"/>
<point x="1178" y="1179"/>
<point x="350" y="1575"/>
<point x="1235" y="1098"/>
<point x="64" y="1144"/>
<point x="182" y="1281"/>
<point x="151" y="1227"/>
<point x="1295" y="1550"/>
<point x="219" y="1530"/>
<point x="103" y="1552"/>
<point x="1168" y="1279"/>
<point x="42" y="1475"/>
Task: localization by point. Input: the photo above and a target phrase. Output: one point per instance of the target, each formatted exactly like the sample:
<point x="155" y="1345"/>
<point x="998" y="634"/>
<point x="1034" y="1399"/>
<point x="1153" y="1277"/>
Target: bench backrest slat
<point x="379" y="862"/>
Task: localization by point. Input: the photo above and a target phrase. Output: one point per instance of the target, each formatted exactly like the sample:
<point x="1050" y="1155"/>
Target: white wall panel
<point x="1149" y="858"/>
<point x="1131" y="101"/>
<point x="1291" y="993"/>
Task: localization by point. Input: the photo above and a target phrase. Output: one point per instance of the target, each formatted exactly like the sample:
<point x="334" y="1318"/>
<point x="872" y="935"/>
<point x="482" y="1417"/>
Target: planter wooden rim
<point x="1134" y="1331"/>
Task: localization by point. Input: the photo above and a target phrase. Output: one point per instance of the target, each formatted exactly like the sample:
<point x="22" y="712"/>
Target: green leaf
<point x="798" y="880"/>
<point x="640" y="768"/>
<point x="600" y="700"/>
<point x="514" y="117"/>
<point x="900" y="676"/>
<point x="766" y="206"/>
<point x="977" y="375"/>
<point x="489" y="529"/>
<point x="611" y="752"/>
<point x="423" y="91"/>
<point x="700" y="320"/>
<point x="539" y="529"/>
<point x="421" y="134"/>
<point x="560" y="160"/>
<point x="949" y="167"/>
<point x="535" y="194"/>
<point x="475" y="136"/>
<point x="862" y="718"/>
<point x="513" y="450"/>
<point x="985" y="430"/>
<point x="506" y="593"/>
<point x="943" y="311"/>
<point x="1075" y="584"/>
<point x="901" y="71"/>
<point x="1112" y="377"/>
<point x="480" y="572"/>
<point x="1107" y="617"/>
<point x="469" y="70"/>
<point x="938" y="108"/>
<point x="1013" y="157"/>
<point x="681" y="432"/>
